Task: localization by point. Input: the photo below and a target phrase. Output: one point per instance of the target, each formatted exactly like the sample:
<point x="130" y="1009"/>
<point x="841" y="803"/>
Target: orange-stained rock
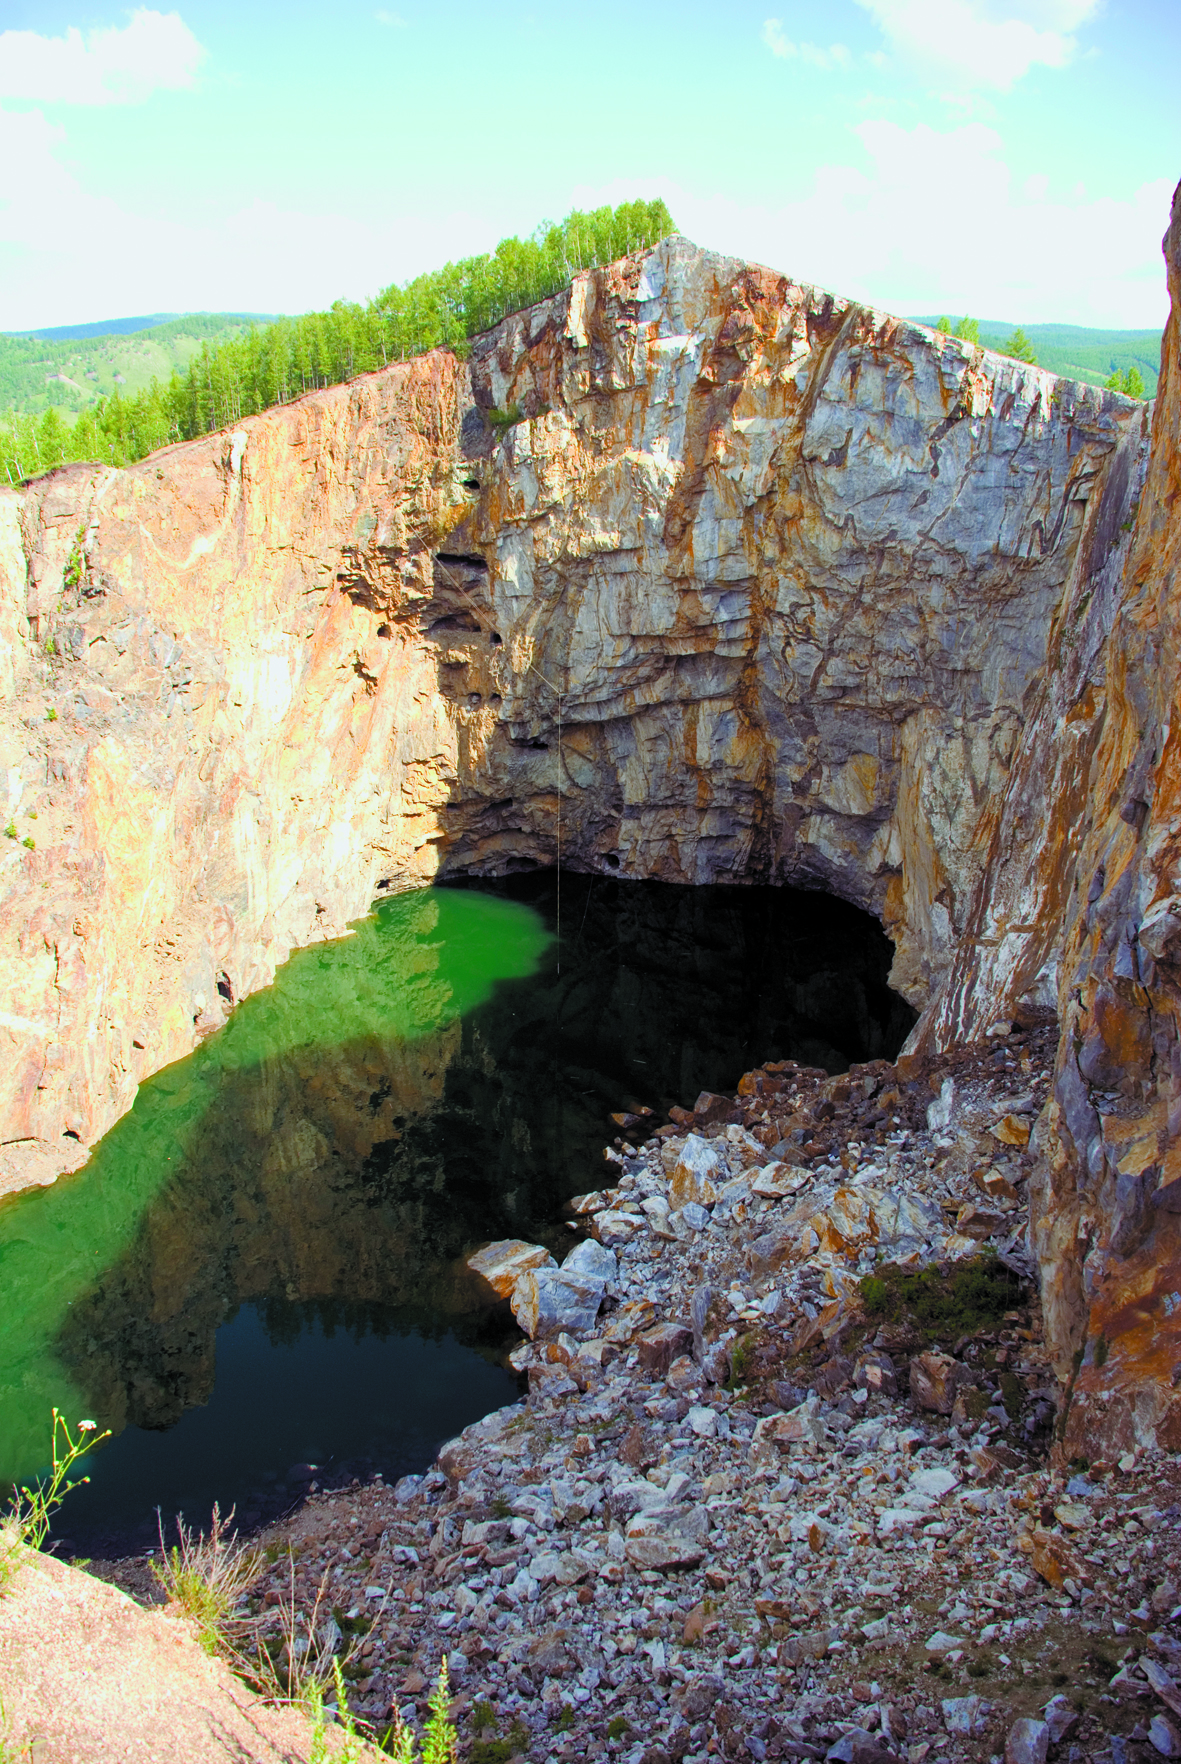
<point x="827" y="599"/>
<point x="1053" y="1558"/>
<point x="1012" y="1130"/>
<point x="934" y="1380"/>
<point x="792" y="565"/>
<point x="502" y="1263"/>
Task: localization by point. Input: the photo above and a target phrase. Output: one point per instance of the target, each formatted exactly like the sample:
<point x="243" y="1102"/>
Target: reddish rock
<point x="934" y="1381"/>
<point x="660" y="1346"/>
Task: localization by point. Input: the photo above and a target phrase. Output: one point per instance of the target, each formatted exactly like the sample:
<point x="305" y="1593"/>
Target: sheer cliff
<point x="689" y="571"/>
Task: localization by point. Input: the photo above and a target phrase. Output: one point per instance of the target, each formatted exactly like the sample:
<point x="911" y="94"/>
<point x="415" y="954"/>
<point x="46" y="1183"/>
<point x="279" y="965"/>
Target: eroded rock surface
<point x="790" y="566"/>
<point x="764" y="585"/>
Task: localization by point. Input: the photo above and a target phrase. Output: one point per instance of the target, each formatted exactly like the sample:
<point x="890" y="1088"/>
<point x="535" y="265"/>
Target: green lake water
<point x="259" y="1277"/>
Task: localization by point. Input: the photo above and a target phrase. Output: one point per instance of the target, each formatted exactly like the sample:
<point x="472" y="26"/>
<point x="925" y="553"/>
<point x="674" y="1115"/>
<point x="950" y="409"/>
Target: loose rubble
<point x="747" y="1510"/>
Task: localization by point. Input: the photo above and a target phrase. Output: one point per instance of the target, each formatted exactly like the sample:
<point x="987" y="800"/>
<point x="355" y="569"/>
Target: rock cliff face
<point x="688" y="572"/>
<point x="757" y="589"/>
<point x="1110" y="1231"/>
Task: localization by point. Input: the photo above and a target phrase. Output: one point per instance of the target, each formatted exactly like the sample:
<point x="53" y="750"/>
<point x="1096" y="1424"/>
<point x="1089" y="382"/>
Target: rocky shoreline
<point x="772" y="1493"/>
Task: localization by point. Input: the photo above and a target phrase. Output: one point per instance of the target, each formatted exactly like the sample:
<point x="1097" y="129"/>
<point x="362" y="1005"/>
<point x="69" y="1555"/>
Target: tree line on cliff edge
<point x="272" y="364"/>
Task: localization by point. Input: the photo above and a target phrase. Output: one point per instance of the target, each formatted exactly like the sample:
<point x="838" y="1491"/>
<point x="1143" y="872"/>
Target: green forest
<point x="1102" y="358"/>
<point x="229" y="377"/>
<point x="71" y="373"/>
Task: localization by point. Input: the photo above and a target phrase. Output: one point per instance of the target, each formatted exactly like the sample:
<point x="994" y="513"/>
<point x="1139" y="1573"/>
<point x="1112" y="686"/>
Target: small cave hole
<point x="384" y="631"/>
<point x="612" y="860"/>
<point x="495" y="637"/>
<point x="383" y="884"/>
<point x="225" y="988"/>
<point x="70" y="1134"/>
<point x="471" y="483"/>
<point x="467" y="558"/>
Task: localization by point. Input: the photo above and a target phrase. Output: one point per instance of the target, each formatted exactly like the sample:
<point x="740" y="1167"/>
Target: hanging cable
<point x="533" y="669"/>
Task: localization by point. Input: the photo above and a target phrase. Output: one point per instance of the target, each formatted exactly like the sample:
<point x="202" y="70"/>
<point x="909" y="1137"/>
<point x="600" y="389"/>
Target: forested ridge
<point x="271" y="364"/>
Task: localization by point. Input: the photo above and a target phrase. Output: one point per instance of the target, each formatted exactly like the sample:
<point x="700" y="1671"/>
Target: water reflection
<point x="265" y="1257"/>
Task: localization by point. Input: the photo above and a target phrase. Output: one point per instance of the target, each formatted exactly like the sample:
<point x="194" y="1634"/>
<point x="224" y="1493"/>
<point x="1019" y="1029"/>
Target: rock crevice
<point x="763" y="585"/>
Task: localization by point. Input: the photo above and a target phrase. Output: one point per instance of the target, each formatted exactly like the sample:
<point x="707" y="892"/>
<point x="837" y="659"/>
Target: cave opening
<point x="277" y="1291"/>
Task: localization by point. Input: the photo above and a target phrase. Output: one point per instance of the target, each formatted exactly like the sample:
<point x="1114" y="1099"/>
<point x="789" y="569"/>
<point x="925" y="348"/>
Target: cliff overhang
<point x="763" y="586"/>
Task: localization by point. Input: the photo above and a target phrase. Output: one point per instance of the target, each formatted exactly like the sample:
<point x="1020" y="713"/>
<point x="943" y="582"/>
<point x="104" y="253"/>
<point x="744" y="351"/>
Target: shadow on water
<point x="259" y="1276"/>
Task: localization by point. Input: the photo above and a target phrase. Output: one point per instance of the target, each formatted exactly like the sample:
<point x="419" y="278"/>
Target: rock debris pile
<point x="783" y="1485"/>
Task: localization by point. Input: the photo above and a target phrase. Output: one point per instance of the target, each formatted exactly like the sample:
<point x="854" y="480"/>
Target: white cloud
<point x="111" y="66"/>
<point x="935" y="222"/>
<point x="252" y="256"/>
<point x="982" y="44"/>
<point x="393" y="19"/>
<point x="836" y="55"/>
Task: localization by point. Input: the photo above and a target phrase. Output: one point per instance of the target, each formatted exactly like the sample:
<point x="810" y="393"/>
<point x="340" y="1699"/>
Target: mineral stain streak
<point x="820" y="597"/>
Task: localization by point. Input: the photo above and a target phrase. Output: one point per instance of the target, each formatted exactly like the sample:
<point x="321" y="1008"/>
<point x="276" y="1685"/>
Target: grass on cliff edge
<point x="943" y="1303"/>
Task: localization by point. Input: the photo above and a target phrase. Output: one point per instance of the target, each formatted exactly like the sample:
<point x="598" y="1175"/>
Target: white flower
<point x="87" y="1426"/>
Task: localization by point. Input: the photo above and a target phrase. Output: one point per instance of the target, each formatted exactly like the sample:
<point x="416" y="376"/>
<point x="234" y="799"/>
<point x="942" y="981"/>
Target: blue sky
<point x="1011" y="158"/>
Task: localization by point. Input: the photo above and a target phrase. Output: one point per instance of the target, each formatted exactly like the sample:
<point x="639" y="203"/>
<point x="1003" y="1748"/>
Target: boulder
<point x="548" y="1654"/>
<point x="977" y="1222"/>
<point x="696" y="1174"/>
<point x="669" y="1536"/>
<point x="876" y="1371"/>
<point x="774" y="1181"/>
<point x="615" y="1226"/>
<point x="684" y="1376"/>
<point x="629" y="1498"/>
<point x="1163" y="1737"/>
<point x="502" y="1263"/>
<point x="640" y="1448"/>
<point x="549" y="1300"/>
<point x="1012" y="1130"/>
<point x="935" y="1482"/>
<point x="858" y="1747"/>
<point x="593" y="1202"/>
<point x="697" y="1696"/>
<point x="711" y="1108"/>
<point x="592" y="1261"/>
<point x="1052" y="1558"/>
<point x="660" y="1346"/>
<point x="935" y="1379"/>
<point x="995" y="1184"/>
<point x="1028" y="1741"/>
<point x="800" y="1425"/>
<point x="1061" y="1718"/>
<point x="549" y="1380"/>
<point x="896" y="1519"/>
<point x="965" y="1715"/>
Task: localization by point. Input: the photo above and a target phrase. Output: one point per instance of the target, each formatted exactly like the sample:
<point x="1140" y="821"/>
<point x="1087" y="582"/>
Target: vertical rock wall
<point x="691" y="571"/>
<point x="1109" y="1225"/>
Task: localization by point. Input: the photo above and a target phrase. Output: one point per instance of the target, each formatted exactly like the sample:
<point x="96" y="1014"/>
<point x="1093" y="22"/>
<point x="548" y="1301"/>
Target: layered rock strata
<point x="689" y="571"/>
<point x="1079" y="877"/>
<point x="756" y="589"/>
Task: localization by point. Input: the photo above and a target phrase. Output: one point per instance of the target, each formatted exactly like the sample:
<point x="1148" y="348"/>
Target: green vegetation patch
<point x="943" y="1302"/>
<point x="235" y="375"/>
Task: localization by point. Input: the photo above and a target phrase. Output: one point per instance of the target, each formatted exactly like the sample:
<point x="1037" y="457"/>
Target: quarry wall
<point x="691" y="571"/>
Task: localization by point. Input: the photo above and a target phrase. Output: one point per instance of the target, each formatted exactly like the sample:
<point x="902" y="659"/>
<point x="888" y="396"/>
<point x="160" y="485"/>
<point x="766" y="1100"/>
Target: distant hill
<point x="1074" y="351"/>
<point x="101" y="328"/>
<point x="71" y="367"/>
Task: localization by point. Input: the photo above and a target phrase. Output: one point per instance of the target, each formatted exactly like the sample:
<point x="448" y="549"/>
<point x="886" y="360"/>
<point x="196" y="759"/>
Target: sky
<point x="1012" y="159"/>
